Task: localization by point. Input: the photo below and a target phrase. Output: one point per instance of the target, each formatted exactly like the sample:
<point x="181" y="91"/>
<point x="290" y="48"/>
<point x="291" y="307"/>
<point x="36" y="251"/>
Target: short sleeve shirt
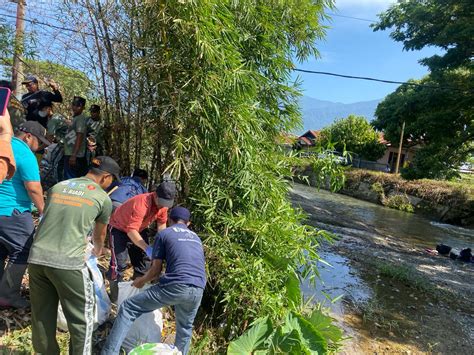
<point x="57" y="127"/>
<point x="13" y="194"/>
<point x="182" y="250"/>
<point x="69" y="215"/>
<point x="138" y="213"/>
<point x="79" y="125"/>
<point x="95" y="129"/>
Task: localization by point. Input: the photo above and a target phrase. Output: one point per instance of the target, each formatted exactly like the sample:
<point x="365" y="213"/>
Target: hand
<point x="97" y="251"/>
<point x="53" y="85"/>
<point x="149" y="251"/>
<point x="72" y="160"/>
<point x="138" y="282"/>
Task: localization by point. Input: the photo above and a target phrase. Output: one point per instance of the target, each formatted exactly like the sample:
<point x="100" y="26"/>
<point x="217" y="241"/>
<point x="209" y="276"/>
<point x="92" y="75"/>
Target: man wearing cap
<point x="75" y="163"/>
<point x="16" y="222"/>
<point x="127" y="222"/>
<point x="34" y="97"/>
<point x="57" y="267"/>
<point x="95" y="134"/>
<point x="181" y="286"/>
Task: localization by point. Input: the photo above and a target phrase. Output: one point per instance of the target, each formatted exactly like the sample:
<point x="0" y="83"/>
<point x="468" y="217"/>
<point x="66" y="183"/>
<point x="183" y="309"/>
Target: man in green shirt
<point x="75" y="163"/>
<point x="57" y="261"/>
<point x="95" y="132"/>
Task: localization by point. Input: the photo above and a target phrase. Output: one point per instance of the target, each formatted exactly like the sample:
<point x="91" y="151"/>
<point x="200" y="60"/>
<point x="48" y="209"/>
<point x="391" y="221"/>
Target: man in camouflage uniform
<point x="95" y="133"/>
<point x="75" y="163"/>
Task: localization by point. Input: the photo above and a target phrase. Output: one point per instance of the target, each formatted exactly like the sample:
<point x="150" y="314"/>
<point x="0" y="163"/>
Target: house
<point x="308" y="139"/>
<point x="286" y="141"/>
<point x="389" y="159"/>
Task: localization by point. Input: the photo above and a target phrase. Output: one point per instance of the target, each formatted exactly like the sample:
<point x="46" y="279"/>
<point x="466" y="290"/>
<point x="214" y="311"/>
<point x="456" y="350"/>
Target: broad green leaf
<point x="293" y="289"/>
<point x="325" y="325"/>
<point x="252" y="339"/>
<point x="310" y="336"/>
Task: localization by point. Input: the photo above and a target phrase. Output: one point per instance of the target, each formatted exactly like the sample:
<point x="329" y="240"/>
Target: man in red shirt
<point x="128" y="220"/>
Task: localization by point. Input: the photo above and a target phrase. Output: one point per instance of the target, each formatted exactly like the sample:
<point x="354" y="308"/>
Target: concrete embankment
<point x="442" y="201"/>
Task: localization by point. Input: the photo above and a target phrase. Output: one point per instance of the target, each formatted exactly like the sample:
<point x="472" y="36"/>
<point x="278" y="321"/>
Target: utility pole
<point x="18" y="50"/>
<point x="400" y="148"/>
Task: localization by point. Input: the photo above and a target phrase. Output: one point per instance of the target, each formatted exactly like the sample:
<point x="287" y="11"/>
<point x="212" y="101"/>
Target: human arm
<point x="54" y="96"/>
<point x="98" y="237"/>
<point x="77" y="146"/>
<point x="137" y="239"/>
<point x="35" y="191"/>
<point x="7" y="161"/>
<point x="153" y="272"/>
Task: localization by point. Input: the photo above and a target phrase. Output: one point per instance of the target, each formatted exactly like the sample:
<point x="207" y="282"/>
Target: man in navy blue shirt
<point x="181" y="286"/>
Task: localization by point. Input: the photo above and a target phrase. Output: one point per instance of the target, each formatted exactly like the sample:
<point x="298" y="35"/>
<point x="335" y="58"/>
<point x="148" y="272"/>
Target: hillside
<point x="318" y="113"/>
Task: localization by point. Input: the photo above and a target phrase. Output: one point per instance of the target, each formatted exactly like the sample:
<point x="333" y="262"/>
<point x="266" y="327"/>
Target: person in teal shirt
<point x="16" y="222"/>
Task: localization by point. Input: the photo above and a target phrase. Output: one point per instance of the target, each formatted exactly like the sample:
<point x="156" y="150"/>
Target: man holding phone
<point x="16" y="222"/>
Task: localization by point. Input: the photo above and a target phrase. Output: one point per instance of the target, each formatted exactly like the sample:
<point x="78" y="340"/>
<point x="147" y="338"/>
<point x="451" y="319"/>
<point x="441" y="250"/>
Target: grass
<point x="437" y="191"/>
<point x="405" y="274"/>
<point x="19" y="342"/>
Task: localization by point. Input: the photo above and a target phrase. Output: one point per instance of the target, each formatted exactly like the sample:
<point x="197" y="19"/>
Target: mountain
<point x="318" y="114"/>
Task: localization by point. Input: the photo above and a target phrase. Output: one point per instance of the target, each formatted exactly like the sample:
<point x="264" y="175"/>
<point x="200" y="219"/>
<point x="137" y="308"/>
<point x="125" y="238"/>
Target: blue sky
<point x="351" y="47"/>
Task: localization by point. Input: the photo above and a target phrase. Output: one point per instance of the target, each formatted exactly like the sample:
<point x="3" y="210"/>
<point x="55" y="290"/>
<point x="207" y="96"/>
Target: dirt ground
<point x="429" y="309"/>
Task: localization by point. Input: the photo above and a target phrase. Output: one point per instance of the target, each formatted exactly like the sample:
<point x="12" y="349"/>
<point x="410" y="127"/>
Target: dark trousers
<point x="121" y="247"/>
<point x="71" y="172"/>
<point x="16" y="236"/>
<point x="75" y="291"/>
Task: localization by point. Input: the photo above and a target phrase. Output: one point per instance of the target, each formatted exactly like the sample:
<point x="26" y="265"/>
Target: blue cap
<point x="180" y="213"/>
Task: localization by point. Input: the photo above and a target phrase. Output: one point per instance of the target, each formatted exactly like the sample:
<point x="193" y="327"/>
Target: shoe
<point x="10" y="286"/>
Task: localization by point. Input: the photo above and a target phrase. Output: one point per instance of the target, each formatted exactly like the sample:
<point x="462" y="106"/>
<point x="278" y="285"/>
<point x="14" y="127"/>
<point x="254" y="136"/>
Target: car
<point x="334" y="154"/>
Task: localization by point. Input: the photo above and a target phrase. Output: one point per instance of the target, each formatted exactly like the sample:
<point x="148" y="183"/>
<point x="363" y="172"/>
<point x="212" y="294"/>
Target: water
<point x="331" y="211"/>
<point x="402" y="238"/>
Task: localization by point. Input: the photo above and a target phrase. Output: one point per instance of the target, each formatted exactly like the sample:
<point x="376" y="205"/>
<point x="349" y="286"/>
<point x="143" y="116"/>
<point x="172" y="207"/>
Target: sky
<point x="351" y="47"/>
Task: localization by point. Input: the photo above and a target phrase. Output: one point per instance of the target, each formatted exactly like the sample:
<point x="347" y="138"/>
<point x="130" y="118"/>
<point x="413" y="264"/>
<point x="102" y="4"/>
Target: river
<point x="372" y="235"/>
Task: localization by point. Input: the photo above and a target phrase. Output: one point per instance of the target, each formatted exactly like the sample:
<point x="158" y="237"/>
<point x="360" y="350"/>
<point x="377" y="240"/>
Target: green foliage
<point x="294" y="333"/>
<point x="72" y="82"/>
<point x="328" y="170"/>
<point x="439" y="119"/>
<point x="447" y="24"/>
<point x="219" y="71"/>
<point x="399" y="202"/>
<point x="355" y="135"/>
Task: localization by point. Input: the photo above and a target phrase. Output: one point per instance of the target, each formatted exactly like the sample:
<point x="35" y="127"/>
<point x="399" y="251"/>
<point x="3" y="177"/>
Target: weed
<point x="403" y="273"/>
<point x="19" y="342"/>
<point x="399" y="202"/>
<point x="374" y="312"/>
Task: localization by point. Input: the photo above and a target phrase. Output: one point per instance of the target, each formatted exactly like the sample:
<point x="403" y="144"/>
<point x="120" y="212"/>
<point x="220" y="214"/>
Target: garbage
<point x="147" y="328"/>
<point x="157" y="348"/>
<point x="443" y="249"/>
<point x="102" y="301"/>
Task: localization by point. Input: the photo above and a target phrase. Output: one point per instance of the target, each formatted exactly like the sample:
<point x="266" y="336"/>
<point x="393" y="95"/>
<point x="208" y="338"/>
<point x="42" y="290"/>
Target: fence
<point x="370" y="165"/>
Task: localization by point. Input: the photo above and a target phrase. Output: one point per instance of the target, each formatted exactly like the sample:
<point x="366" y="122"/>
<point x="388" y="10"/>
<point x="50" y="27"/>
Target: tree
<point x="439" y="114"/>
<point x="356" y="135"/>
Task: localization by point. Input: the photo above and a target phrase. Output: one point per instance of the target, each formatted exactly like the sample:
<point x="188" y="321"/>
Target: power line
<point x="381" y="80"/>
<point x="352" y="18"/>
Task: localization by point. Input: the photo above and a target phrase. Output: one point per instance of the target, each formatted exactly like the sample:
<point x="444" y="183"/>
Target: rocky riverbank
<point x="443" y="201"/>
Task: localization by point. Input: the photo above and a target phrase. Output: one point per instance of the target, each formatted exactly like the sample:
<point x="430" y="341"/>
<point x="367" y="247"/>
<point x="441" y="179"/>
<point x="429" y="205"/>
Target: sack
<point x="146" y="328"/>
<point x="443" y="249"/>
<point x="158" y="348"/>
<point x="102" y="302"/>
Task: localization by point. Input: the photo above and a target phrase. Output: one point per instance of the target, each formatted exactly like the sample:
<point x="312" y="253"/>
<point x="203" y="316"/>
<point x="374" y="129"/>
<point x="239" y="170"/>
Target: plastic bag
<point x="146" y="328"/>
<point x="102" y="301"/>
<point x="157" y="348"/>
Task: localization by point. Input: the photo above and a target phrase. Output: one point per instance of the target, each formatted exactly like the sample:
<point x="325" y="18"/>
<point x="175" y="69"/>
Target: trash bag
<point x="465" y="255"/>
<point x="443" y="249"/>
<point x="158" y="348"/>
<point x="103" y="305"/>
<point x="146" y="328"/>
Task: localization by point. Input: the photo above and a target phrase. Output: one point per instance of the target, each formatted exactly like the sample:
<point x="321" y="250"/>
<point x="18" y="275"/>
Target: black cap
<point x="143" y="174"/>
<point x="78" y="101"/>
<point x="180" y="213"/>
<point x="106" y="164"/>
<point x="166" y="192"/>
<point x="45" y="103"/>
<point x="29" y="79"/>
<point x="94" y="108"/>
<point x="35" y="129"/>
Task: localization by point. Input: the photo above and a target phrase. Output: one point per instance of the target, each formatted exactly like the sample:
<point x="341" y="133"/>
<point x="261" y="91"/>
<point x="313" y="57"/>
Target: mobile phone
<point x="4" y="97"/>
